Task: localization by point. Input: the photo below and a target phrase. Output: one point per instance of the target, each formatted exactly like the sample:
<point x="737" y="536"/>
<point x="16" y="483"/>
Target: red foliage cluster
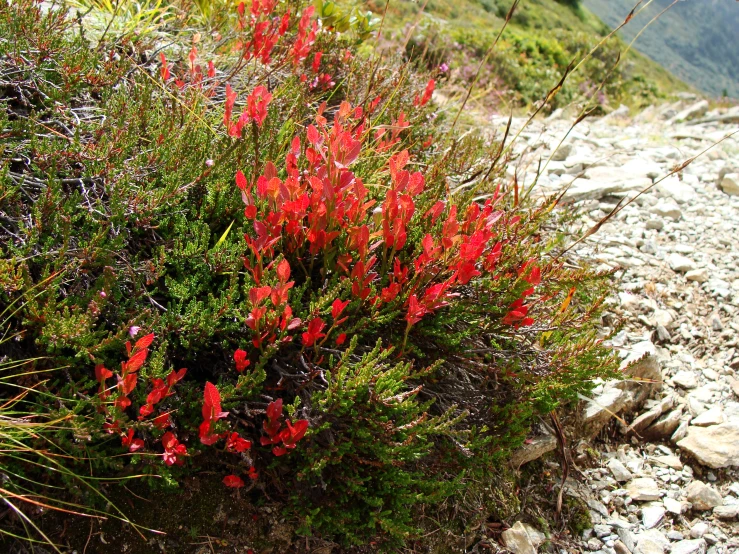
<point x="276" y="434"/>
<point x="174" y="452"/>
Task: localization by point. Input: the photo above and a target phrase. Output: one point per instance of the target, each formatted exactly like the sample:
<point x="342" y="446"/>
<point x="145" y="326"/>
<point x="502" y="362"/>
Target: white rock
<point x="698" y="109"/>
<point x="643" y="489"/>
<point x="563" y="152"/>
<point x="712" y="416"/>
<point x="677" y="189"/>
<point x="675" y="506"/>
<point x="697" y="546"/>
<point x="697" y="275"/>
<point x="702" y="496"/>
<point x="669" y="210"/>
<point x="517" y="540"/>
<point x="680" y="263"/>
<point x="620" y="471"/>
<point x="699" y="529"/>
<point x="685" y="379"/>
<point x="652" y="514"/>
<point x="726" y="512"/>
<point x="716" y="446"/>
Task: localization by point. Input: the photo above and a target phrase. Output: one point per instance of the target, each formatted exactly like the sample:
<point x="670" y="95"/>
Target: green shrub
<point x="308" y="230"/>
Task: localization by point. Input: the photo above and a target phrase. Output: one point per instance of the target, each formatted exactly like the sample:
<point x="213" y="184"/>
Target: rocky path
<point x="669" y="475"/>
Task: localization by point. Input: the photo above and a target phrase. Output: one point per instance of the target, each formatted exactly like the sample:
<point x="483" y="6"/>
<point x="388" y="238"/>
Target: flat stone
<point x="702" y="496"/>
<point x="712" y="416"/>
<point x="517" y="540"/>
<point x="652" y="515"/>
<point x="533" y="449"/>
<point x="685" y="379"/>
<point x="669" y="461"/>
<point x="619" y="470"/>
<point x="582" y="189"/>
<point x="716" y="446"/>
<point x="696" y="546"/>
<point x="643" y="489"/>
<point x="730" y="184"/>
<point x="697" y="275"/>
<point x="699" y="109"/>
<point x="665" y="426"/>
<point x="699" y="529"/>
<point x="726" y="512"/>
<point x="675" y="506"/>
<point x="602" y="408"/>
<point x="680" y="263"/>
<point x="670" y="210"/>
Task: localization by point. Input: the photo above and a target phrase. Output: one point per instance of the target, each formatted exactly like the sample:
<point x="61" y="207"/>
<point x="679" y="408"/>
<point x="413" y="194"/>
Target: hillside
<point x="544" y="36"/>
<point x="692" y="39"/>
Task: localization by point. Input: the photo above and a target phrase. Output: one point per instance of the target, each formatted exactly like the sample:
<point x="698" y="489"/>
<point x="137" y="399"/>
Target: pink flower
<point x="133" y="330"/>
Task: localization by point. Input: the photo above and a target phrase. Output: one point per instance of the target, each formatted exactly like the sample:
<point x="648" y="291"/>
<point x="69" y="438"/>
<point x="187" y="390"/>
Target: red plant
<point x="236" y="444"/>
<point x="241" y="361"/>
<point x="211" y="414"/>
<point x="174" y="450"/>
<point x="131" y="443"/>
<point x="233" y="481"/>
<point x="289" y="436"/>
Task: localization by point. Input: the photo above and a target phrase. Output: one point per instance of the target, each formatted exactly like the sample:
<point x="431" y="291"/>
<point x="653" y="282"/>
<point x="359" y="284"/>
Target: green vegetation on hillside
<point x="543" y="37"/>
<point x="696" y="41"/>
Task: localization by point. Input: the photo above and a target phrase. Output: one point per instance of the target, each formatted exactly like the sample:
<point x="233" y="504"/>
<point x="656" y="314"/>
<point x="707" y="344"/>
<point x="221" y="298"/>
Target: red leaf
<point x="101" y="373"/>
<point x="241" y="180"/>
<point x="135" y="362"/>
<point x="233" y="481"/>
<point x="274" y="409"/>
<point x="175" y="377"/>
<point x="283" y="271"/>
<point x="144" y="342"/>
<point x="212" y="396"/>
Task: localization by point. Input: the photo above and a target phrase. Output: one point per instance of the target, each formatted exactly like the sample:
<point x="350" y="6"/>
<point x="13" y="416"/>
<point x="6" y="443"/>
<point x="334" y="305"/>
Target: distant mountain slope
<point x="543" y="37"/>
<point x="697" y="40"/>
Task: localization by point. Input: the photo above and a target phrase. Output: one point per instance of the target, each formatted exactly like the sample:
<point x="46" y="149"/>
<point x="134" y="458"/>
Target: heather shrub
<point x="270" y="255"/>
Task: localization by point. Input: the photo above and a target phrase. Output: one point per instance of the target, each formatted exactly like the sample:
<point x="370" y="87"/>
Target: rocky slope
<point x="668" y="479"/>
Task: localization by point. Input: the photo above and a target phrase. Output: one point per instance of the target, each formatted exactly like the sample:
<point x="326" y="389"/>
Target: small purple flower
<point x="102" y="294"/>
<point x="444" y="67"/>
<point x="209" y="163"/>
<point x="133" y="331"/>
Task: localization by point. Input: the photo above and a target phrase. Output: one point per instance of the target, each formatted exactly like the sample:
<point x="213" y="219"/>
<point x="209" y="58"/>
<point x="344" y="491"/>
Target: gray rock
<point x="730" y="184"/>
<point x="697" y="546"/>
<point x="652" y="514"/>
<point x="602" y="408"/>
<point x="665" y="426"/>
<point x="627" y="537"/>
<point x="716" y="446"/>
<point x="643" y="489"/>
<point x="517" y="540"/>
<point x="533" y="450"/>
<point x="699" y="529"/>
<point x="699" y="109"/>
<point x="685" y="379"/>
<point x="563" y="152"/>
<point x="726" y="512"/>
<point x="619" y="470"/>
<point x="702" y="496"/>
